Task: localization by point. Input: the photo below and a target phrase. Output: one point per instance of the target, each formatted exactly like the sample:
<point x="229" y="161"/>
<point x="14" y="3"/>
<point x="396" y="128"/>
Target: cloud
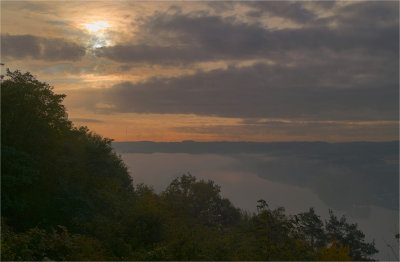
<point x="300" y="130"/>
<point x="311" y="91"/>
<point x="198" y="36"/>
<point x="86" y="120"/>
<point x="149" y="54"/>
<point x="294" y="11"/>
<point x="324" y="5"/>
<point x="333" y="68"/>
<point x="382" y="14"/>
<point x="194" y="39"/>
<point x="39" y="48"/>
<point x="221" y="6"/>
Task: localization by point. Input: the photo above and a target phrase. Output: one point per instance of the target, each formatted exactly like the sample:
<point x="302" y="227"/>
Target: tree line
<point x="66" y="195"/>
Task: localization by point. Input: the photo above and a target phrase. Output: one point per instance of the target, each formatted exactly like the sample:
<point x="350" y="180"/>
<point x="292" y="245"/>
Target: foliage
<point x="348" y="234"/>
<point x="335" y="253"/>
<point x="309" y="227"/>
<point x="67" y="196"/>
<point x="37" y="245"/>
<point x="200" y="199"/>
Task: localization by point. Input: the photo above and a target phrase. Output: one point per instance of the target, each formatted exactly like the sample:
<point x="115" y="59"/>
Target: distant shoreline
<point x="226" y="147"/>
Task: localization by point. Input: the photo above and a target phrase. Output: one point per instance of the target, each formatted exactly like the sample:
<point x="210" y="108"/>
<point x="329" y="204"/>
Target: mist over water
<point x="345" y="184"/>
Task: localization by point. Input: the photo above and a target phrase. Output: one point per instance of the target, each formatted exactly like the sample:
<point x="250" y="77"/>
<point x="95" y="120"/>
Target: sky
<point x="212" y="71"/>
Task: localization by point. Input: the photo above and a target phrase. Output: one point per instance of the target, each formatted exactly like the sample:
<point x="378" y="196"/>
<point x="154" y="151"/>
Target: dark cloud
<point x="335" y="68"/>
<point x="375" y="14"/>
<point x="49" y="49"/>
<point x="319" y="91"/>
<point x="20" y="46"/>
<point x="190" y="39"/>
<point x="324" y="5"/>
<point x="294" y="11"/>
<point x="290" y="10"/>
<point x="180" y="38"/>
<point x="150" y="54"/>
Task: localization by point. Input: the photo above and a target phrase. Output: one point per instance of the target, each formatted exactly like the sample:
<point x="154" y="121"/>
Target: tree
<point x="334" y="253"/>
<point x="272" y="239"/>
<point x="347" y="234"/>
<point x="18" y="173"/>
<point x="309" y="226"/>
<point x="58" y="244"/>
<point x="52" y="172"/>
<point x="200" y="199"/>
<point x="32" y="115"/>
<point x="33" y="124"/>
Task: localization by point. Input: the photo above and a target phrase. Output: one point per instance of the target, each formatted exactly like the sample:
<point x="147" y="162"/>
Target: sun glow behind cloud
<point x="98" y="32"/>
<point x="96" y="26"/>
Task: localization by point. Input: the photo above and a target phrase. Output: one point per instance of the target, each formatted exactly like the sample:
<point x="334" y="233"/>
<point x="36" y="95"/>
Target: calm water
<point x="244" y="186"/>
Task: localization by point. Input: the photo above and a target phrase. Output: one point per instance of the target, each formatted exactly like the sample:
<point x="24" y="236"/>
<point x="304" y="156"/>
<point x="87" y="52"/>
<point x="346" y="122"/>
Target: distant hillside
<point x="311" y="148"/>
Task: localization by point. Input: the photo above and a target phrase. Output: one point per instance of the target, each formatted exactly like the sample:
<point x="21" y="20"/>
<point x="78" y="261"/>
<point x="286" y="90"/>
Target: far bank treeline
<point x="67" y="196"/>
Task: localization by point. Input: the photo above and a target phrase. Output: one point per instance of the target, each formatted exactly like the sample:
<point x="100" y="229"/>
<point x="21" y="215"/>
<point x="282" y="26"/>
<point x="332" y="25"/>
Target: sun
<point x="97" y="26"/>
<point x="98" y="34"/>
